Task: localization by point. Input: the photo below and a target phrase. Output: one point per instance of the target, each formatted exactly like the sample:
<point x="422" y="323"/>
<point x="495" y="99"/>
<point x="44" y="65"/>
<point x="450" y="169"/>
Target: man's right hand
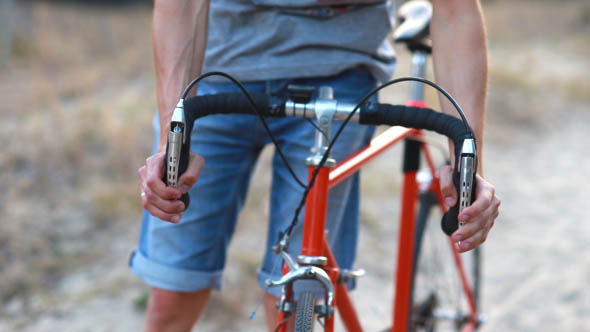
<point x="158" y="199"/>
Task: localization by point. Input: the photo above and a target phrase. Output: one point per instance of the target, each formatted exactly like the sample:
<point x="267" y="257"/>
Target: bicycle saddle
<point x="415" y="19"/>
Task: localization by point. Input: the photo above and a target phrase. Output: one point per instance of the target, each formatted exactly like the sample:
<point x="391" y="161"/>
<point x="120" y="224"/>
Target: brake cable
<point x="257" y="111"/>
<point x="295" y="219"/>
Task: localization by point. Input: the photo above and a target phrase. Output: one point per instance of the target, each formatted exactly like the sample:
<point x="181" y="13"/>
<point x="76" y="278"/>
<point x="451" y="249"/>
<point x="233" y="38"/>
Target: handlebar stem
<point x="325" y="107"/>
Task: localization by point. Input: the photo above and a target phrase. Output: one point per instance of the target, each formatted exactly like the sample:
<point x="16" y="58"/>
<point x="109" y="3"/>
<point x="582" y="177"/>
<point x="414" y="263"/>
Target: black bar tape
<point x="416" y="117"/>
<point x="231" y="103"/>
<point x="449" y="222"/>
<point x="226" y="103"/>
<point x="424" y="118"/>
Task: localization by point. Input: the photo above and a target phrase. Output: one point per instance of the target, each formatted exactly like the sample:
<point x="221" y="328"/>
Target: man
<point x="269" y="44"/>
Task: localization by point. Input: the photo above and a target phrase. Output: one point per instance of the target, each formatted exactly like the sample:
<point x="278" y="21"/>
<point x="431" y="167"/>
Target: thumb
<point x="447" y="187"/>
<point x="191" y="175"/>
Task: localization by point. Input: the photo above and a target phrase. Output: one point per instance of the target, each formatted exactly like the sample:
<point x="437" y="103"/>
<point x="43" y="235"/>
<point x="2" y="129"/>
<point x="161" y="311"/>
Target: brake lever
<point x="467" y="170"/>
<point x="464" y="181"/>
<point x="176" y="161"/>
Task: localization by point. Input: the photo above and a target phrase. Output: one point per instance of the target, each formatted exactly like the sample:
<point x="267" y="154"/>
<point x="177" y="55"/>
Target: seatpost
<point x="418" y="70"/>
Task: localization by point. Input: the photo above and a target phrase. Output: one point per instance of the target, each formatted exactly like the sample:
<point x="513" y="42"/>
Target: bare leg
<point x="170" y="311"/>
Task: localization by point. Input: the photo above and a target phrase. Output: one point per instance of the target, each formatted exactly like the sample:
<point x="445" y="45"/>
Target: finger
<point x="156" y="212"/>
<point x="496" y="212"/>
<point x="141" y="175"/>
<point x="167" y="206"/>
<point x="483" y="199"/>
<point x="191" y="175"/>
<point x="447" y="187"/>
<point x="474" y="225"/>
<point x="474" y="241"/>
<point x="468" y="230"/>
<point x="485" y="222"/>
<point x="153" y="178"/>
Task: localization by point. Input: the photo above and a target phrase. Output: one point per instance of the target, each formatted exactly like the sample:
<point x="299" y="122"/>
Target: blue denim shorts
<point x="191" y="255"/>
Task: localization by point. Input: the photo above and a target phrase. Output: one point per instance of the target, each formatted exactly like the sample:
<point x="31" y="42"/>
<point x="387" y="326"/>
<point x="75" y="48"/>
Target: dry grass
<point x="76" y="107"/>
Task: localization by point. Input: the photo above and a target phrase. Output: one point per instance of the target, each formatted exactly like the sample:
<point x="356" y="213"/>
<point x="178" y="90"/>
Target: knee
<point x="176" y="311"/>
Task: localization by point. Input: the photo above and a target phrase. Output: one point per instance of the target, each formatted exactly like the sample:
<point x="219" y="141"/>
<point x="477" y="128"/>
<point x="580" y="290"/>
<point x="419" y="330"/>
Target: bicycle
<point x="415" y="307"/>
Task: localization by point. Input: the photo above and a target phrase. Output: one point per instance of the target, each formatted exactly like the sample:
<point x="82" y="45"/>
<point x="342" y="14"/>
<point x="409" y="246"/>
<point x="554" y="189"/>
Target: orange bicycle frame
<point x="315" y="244"/>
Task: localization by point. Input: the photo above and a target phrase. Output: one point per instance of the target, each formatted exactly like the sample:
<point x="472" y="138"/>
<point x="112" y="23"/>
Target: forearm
<point x="179" y="36"/>
<point x="460" y="59"/>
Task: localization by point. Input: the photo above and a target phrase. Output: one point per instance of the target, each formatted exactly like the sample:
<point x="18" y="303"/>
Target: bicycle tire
<point x="305" y="313"/>
<point x="438" y="302"/>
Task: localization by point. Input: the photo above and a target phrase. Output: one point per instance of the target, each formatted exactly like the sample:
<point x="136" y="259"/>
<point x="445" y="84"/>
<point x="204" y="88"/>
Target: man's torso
<point x="271" y="39"/>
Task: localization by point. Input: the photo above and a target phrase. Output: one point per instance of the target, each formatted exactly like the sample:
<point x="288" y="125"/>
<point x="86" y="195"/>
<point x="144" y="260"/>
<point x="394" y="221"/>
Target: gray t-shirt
<point x="275" y="39"/>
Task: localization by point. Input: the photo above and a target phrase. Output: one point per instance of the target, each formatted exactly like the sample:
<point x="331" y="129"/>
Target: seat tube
<point x="407" y="228"/>
<point x="418" y="70"/>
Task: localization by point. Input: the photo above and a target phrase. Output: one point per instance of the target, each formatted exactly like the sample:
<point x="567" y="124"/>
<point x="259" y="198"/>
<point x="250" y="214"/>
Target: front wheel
<point x="304" y="316"/>
<point x="439" y="302"/>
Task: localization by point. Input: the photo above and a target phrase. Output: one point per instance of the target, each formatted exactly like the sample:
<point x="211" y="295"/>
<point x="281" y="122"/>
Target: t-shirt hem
<point x="265" y="73"/>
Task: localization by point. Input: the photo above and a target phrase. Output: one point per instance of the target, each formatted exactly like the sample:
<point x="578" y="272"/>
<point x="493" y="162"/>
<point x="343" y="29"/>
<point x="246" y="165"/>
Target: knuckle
<point x="488" y="196"/>
<point x="482" y="222"/>
<point x="446" y="184"/>
<point x="150" y="197"/>
<point x="445" y="173"/>
<point x="169" y="195"/>
<point x="151" y="182"/>
<point x="168" y="207"/>
<point x="160" y="215"/>
<point x="200" y="161"/>
<point x="484" y="236"/>
<point x="482" y="239"/>
<point x="469" y="229"/>
<point x="477" y="240"/>
<point x="447" y="189"/>
<point x="189" y="179"/>
<point x="167" y="217"/>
